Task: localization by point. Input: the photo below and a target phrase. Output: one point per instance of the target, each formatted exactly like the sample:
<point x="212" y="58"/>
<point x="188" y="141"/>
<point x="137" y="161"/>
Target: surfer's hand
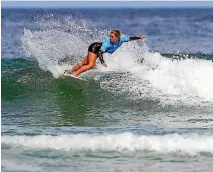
<point x="105" y="65"/>
<point x="144" y="36"/>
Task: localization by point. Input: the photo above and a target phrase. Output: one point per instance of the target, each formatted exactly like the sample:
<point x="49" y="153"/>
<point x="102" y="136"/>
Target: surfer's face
<point x="113" y="38"/>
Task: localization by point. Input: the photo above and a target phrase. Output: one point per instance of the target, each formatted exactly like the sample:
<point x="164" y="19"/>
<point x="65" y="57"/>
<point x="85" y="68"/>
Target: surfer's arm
<point x="132" y="38"/>
<point x="101" y="58"/>
<point x="102" y="50"/>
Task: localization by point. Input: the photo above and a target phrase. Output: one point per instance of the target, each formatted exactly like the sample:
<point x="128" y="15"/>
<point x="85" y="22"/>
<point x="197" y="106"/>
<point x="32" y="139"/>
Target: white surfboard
<point x="76" y="82"/>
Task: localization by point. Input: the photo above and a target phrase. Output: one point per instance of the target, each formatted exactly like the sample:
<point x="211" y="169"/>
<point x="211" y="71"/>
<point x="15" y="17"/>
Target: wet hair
<point x="116" y="32"/>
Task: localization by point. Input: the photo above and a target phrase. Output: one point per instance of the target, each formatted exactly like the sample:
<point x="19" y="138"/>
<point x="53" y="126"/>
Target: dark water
<point x="155" y="115"/>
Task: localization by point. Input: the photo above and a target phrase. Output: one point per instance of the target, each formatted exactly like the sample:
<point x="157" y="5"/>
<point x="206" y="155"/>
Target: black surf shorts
<point x="95" y="47"/>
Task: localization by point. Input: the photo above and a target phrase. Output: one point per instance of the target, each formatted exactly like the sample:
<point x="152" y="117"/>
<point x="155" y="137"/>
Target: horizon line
<point x="106" y="4"/>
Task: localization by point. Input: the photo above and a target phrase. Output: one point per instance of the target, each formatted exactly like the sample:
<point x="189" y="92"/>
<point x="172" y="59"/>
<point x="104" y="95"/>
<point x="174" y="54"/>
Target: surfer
<point x="97" y="49"/>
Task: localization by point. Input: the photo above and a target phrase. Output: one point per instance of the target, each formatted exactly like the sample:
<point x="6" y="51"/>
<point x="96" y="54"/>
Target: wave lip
<point x="172" y="143"/>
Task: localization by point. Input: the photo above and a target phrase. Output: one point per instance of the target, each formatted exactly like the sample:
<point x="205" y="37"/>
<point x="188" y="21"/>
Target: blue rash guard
<point x="109" y="47"/>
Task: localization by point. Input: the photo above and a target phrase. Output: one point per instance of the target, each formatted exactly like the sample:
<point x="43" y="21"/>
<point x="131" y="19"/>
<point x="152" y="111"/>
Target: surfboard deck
<point x="76" y="82"/>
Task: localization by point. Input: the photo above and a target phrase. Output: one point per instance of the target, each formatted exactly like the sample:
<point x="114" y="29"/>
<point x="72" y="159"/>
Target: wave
<point x="167" y="80"/>
<point x="22" y="62"/>
<point x="162" y="79"/>
<point x="146" y="74"/>
<point x="191" y="144"/>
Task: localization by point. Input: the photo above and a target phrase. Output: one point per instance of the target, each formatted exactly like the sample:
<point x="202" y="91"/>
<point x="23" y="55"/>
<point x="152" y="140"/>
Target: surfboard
<point x="76" y="82"/>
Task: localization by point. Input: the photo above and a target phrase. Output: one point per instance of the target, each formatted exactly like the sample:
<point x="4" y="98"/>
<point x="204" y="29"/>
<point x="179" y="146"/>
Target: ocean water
<point x="151" y="109"/>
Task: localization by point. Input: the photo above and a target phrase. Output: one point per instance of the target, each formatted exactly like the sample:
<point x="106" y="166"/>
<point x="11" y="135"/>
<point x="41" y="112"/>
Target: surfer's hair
<point x="116" y="32"/>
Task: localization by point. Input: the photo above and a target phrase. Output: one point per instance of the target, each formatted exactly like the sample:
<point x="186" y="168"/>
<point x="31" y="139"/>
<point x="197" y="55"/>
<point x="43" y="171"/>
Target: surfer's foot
<point x="74" y="74"/>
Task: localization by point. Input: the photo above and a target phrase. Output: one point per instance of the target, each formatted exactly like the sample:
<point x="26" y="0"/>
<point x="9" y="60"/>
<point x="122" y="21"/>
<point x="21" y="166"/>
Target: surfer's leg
<point x="91" y="58"/>
<point x="84" y="61"/>
<point x="78" y="65"/>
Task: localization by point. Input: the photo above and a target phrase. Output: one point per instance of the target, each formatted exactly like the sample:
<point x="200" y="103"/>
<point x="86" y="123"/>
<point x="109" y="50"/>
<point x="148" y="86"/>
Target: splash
<point x="59" y="40"/>
<point x="159" y="78"/>
<point x="49" y="47"/>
